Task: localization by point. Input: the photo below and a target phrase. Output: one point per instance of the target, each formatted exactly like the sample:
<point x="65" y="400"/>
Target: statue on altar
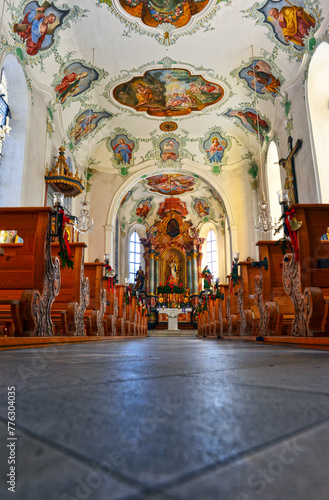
<point x="207" y="277"/>
<point x="139" y="279"/>
<point x="173" y="270"/>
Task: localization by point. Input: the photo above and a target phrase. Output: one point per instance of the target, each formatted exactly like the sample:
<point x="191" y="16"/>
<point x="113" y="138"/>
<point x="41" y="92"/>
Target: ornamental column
<point x="194" y="265"/>
<point x="189" y="272"/>
<point x="157" y="271"/>
<point x="151" y="276"/>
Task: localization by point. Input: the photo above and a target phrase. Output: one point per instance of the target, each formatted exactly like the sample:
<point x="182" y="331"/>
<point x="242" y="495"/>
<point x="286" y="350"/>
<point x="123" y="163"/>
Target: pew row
<point x="68" y="309"/>
<point x="29" y="276"/>
<point x="306" y="281"/>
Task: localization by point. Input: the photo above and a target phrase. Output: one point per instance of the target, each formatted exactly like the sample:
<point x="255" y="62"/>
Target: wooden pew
<point x="232" y="316"/>
<point x="275" y="312"/>
<point x="69" y="307"/>
<point x="29" y="277"/>
<point x="307" y="281"/>
<point x="97" y="298"/>
<point x="246" y="296"/>
<point x="111" y="310"/>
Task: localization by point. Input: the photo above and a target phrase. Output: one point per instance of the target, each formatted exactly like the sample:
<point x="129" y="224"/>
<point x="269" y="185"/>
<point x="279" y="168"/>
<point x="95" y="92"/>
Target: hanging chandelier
<point x="83" y="223"/>
<point x="264" y="223"/>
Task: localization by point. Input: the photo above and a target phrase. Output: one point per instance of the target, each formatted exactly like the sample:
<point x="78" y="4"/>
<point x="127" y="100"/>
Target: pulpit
<point x="172" y="314"/>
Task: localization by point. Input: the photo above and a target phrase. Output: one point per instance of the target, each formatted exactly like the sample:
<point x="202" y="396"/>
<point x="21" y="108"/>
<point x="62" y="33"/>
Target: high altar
<point x="172" y="250"/>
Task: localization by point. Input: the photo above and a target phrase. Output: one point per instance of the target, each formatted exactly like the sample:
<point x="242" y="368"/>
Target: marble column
<point x="189" y="272"/>
<point x="157" y="271"/>
<point x="151" y="276"/>
<point x="194" y="273"/>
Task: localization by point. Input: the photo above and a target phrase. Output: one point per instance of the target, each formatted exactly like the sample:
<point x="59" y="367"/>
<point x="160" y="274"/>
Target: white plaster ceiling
<point x="122" y="48"/>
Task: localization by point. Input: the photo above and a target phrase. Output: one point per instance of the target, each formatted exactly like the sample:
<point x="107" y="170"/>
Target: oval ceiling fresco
<point x="168" y="92"/>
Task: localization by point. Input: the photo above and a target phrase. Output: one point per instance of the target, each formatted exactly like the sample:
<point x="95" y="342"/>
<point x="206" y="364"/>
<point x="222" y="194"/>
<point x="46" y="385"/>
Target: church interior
<point x="164" y="249"/>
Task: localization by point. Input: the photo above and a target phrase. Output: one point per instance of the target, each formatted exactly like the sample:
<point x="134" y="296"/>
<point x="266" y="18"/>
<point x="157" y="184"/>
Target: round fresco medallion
<point x="168" y="126"/>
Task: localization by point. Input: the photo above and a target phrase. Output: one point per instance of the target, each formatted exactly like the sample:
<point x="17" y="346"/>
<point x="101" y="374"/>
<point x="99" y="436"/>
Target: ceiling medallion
<point x="168" y="126"/>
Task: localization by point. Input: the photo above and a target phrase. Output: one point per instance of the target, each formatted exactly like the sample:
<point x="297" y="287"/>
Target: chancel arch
<point x="318" y="103"/>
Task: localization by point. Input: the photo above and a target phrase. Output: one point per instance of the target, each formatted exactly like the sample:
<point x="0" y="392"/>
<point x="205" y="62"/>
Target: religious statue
<point x="173" y="270"/>
<point x="206" y="274"/>
<point x="287" y="164"/>
<point x="140" y="279"/>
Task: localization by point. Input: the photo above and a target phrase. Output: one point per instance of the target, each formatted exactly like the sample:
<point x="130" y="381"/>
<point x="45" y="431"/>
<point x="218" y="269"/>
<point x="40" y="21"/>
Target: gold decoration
<point x="61" y="179"/>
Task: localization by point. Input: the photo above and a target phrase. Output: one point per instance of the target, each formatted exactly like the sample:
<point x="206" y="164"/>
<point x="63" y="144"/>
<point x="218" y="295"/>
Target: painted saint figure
<point x="270" y="83"/>
<point x="34" y="28"/>
<point x="216" y="151"/>
<point x="122" y="151"/>
<point x="69" y="85"/>
<point x="295" y="23"/>
<point x="254" y="120"/>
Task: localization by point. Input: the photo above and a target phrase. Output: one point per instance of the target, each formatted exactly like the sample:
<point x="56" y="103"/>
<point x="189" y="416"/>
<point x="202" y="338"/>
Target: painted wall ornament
<point x="84" y="124"/>
<point x="165" y="20"/>
<point x="214" y="146"/>
<point x="126" y="197"/>
<point x="201" y="207"/>
<point x="144" y="208"/>
<point x="168" y="92"/>
<point x="74" y="79"/>
<point x="168" y="126"/>
<point x="171" y="184"/>
<point x="249" y="119"/>
<point x="122" y="146"/>
<point x="290" y="23"/>
<point x="258" y="76"/>
<point x="36" y="27"/>
<point x="168" y="149"/>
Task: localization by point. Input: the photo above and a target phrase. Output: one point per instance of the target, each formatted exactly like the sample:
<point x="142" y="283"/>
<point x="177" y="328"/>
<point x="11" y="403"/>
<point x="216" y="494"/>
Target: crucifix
<point x="288" y="165"/>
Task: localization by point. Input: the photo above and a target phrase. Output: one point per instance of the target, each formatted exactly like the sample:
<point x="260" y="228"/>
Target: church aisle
<point x="165" y="418"/>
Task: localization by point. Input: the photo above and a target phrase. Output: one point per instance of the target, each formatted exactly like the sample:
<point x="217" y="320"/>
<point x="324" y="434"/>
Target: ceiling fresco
<point x="171" y="18"/>
<point x="157" y="195"/>
<point x="168" y="92"/>
<point x="164" y="83"/>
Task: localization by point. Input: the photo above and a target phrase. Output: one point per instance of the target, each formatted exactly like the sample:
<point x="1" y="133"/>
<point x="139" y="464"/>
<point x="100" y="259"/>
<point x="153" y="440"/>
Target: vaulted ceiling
<point x="127" y="81"/>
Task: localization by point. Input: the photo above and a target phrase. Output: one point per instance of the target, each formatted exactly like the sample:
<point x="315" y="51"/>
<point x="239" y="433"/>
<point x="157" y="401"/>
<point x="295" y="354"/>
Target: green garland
<point x="168" y="289"/>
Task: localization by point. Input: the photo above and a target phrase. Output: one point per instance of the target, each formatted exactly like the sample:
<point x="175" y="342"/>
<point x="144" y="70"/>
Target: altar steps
<point x="173" y="333"/>
<point x="163" y="325"/>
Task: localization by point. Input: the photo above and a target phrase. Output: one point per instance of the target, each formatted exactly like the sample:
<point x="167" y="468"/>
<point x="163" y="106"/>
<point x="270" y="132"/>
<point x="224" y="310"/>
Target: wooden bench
<point x="69" y="307"/>
<point x="29" y="277"/>
<point x="246" y="296"/>
<point x="307" y="281"/>
<point x="95" y="311"/>
<point x="275" y="313"/>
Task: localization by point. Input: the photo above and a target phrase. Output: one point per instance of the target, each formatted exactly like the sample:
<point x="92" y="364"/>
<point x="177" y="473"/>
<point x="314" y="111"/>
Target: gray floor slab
<point x="164" y="412"/>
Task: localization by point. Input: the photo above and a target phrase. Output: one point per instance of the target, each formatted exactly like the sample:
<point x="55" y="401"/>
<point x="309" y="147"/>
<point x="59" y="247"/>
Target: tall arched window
<point x="212" y="253"/>
<point x="4" y="108"/>
<point x="134" y="256"/>
<point x="273" y="180"/>
<point x="317" y="93"/>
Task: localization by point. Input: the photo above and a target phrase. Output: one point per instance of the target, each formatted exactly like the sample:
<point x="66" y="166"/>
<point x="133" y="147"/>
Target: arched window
<point x="212" y="253"/>
<point x="273" y="180"/>
<point x="134" y="256"/>
<point x="317" y="93"/>
<point x="4" y="108"/>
